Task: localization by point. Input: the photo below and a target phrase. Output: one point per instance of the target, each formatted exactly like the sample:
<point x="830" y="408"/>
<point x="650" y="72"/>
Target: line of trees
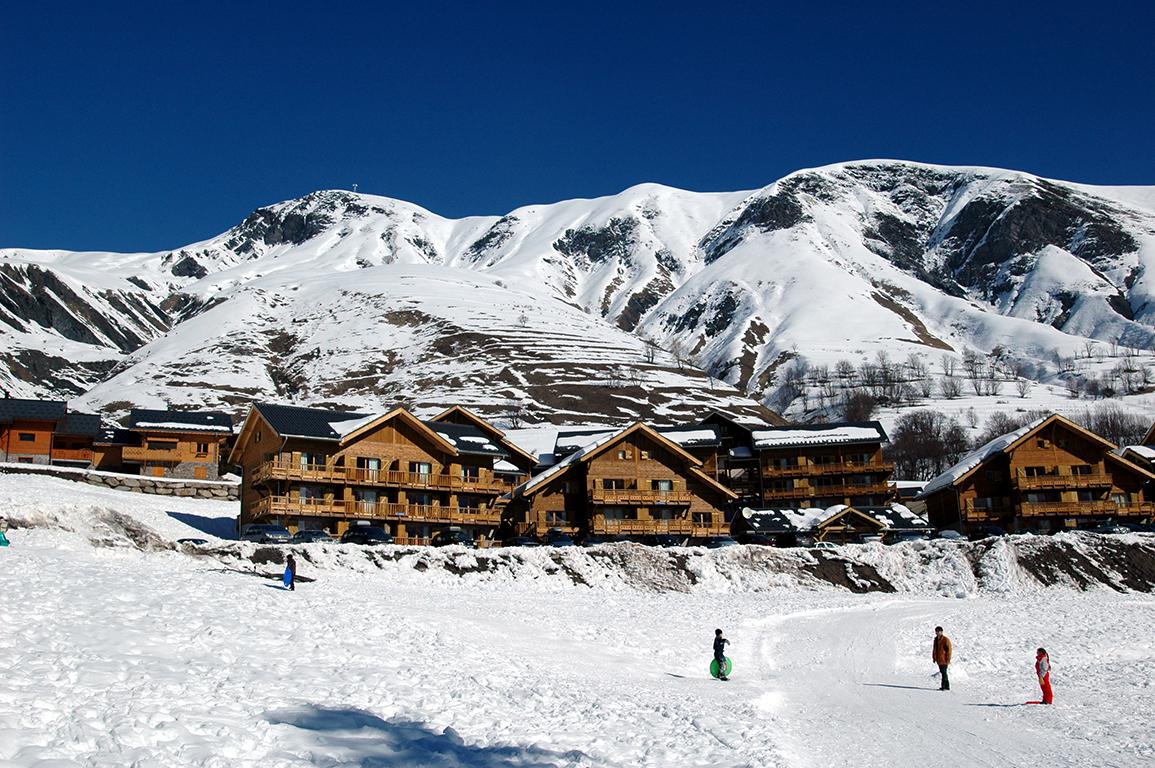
<point x="925" y="443"/>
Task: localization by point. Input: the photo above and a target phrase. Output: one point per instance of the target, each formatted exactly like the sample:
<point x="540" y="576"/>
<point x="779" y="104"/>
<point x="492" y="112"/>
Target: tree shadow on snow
<point x="358" y="738"/>
<point x="221" y="527"/>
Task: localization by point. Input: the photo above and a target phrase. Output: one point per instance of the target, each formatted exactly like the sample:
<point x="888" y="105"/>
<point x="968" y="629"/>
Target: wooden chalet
<point x="631" y="482"/>
<point x="310" y="468"/>
<point x="1050" y="475"/>
<point x="46" y="432"/>
<point x="518" y="464"/>
<point x="805" y="466"/>
<point x="178" y="444"/>
<point x="736" y="462"/>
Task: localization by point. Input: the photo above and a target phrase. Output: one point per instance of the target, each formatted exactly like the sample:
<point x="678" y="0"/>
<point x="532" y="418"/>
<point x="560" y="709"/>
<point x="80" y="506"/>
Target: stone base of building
<point x="135" y="483"/>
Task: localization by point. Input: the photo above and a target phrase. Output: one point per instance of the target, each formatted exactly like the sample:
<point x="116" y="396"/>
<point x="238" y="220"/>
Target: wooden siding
<point x="822" y="475"/>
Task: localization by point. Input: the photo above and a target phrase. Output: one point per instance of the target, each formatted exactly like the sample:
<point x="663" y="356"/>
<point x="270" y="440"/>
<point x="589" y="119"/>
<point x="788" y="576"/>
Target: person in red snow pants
<point x="1043" y="670"/>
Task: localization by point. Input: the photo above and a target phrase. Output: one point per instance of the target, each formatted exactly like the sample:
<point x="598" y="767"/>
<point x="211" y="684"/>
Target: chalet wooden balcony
<point x="645" y="496"/>
<point x="1078" y="508"/>
<point x="838" y="468"/>
<point x="1027" y="482"/>
<point x="677" y="527"/>
<point x="71" y="454"/>
<point x="279" y="469"/>
<point x="142" y="453"/>
<point x="415" y="513"/>
<point x="780" y="494"/>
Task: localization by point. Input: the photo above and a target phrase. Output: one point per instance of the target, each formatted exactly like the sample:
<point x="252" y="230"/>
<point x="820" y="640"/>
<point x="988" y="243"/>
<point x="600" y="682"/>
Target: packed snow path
<point x="117" y="657"/>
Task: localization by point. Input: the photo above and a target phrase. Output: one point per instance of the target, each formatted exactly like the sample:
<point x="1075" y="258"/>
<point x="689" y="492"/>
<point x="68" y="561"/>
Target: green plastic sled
<point x="714" y="667"/>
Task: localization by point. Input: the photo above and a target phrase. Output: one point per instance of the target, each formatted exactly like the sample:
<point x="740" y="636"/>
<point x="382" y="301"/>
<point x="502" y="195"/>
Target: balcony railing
<point x="1052" y="482"/>
<point x="837" y="468"/>
<point x="280" y="469"/>
<point x="677" y="526"/>
<point x="787" y="493"/>
<point x="638" y="496"/>
<point x="141" y="453"/>
<point x="417" y="513"/>
<point x="1077" y="508"/>
<point x="72" y="454"/>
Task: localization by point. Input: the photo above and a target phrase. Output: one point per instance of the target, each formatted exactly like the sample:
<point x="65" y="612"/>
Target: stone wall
<point x="136" y="483"/>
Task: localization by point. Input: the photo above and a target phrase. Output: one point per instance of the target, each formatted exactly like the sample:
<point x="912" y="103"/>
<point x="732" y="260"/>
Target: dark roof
<point x="87" y="424"/>
<point x="693" y="435"/>
<point x="467" y="438"/>
<point x="118" y="436"/>
<point x="766" y="521"/>
<point x="747" y="424"/>
<point x="896" y="517"/>
<point x="840" y="432"/>
<point x="12" y="408"/>
<point x="298" y="421"/>
<point x="180" y="421"/>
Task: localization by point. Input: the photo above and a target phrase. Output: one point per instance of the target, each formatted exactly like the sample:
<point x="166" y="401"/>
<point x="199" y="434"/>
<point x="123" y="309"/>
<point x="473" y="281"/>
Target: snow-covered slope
<point x="354" y="300"/>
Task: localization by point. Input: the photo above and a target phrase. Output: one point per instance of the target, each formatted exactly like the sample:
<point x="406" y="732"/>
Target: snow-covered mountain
<point x="655" y="302"/>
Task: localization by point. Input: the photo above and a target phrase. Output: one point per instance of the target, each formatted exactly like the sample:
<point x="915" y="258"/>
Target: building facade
<point x="1050" y="475"/>
<point x="45" y="432"/>
<point x="310" y="468"/>
<point x="632" y="482"/>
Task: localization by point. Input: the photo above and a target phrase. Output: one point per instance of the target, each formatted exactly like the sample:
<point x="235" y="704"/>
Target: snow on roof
<point x="775" y="438"/>
<point x="685" y="437"/>
<point x="349" y="426"/>
<point x="796" y="519"/>
<point x="895" y="516"/>
<point x="184" y="427"/>
<point x="978" y="456"/>
<point x="568" y="461"/>
<point x="501" y="465"/>
<point x="1145" y="451"/>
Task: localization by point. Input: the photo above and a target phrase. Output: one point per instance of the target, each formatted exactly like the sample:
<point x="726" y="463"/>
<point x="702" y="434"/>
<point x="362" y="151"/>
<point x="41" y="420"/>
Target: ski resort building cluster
<point x="313" y="468"/>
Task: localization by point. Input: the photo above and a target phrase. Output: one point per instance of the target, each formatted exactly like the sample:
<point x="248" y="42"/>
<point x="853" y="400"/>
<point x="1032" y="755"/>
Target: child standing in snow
<point x="719" y="653"/>
<point x="941" y="653"/>
<point x="1043" y="670"/>
<point x="291" y="572"/>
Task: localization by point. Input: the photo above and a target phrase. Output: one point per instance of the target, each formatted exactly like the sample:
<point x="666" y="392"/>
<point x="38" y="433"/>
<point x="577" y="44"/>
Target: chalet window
<point x="620" y="513"/>
<point x="984" y="502"/>
<point x="1086" y="495"/>
<point x="613" y="484"/>
<point x="311" y="459"/>
<point x="993" y="475"/>
<point x="1121" y="499"/>
<point x="203" y="449"/>
<point x="624" y="454"/>
<point x="563" y="487"/>
<point x="469" y="502"/>
<point x="161" y="445"/>
<point x="421" y="467"/>
<point x="470" y="473"/>
<point x="258" y="435"/>
<point x="662" y="485"/>
<point x="369" y="467"/>
<point x="365" y="496"/>
<point x="1035" y="471"/>
<point x="783" y="462"/>
<point x="1043" y="443"/>
<point x="1081" y="469"/>
<point x="310" y="492"/>
<point x="646" y="455"/>
<point x="556" y="518"/>
<point x="27" y="437"/>
<point x="420" y="498"/>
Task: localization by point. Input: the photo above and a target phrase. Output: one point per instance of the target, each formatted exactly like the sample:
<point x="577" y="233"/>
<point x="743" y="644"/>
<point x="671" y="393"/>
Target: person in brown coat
<point x="941" y="655"/>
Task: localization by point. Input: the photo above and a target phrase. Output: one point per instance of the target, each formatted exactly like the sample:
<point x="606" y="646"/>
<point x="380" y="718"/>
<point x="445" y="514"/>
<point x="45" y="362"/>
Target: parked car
<point x="663" y="540"/>
<point x="448" y="536"/>
<point x="714" y="542"/>
<point x="1143" y="527"/>
<point x="310" y="536"/>
<point x="521" y="541"/>
<point x="986" y="531"/>
<point x="193" y="541"/>
<point x="266" y="533"/>
<point x="827" y="545"/>
<point x="870" y="538"/>
<point x="367" y="535"/>
<point x="556" y="537"/>
<point x="1109" y="528"/>
<point x="949" y="535"/>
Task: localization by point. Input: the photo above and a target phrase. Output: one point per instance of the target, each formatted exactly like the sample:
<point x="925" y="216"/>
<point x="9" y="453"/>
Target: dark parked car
<point x="1109" y="528"/>
<point x="986" y="531"/>
<point x="664" y="540"/>
<point x="310" y="536"/>
<point x="555" y="537"/>
<point x="756" y="538"/>
<point x="265" y="533"/>
<point x="448" y="536"/>
<point x="712" y="542"/>
<point x="367" y="535"/>
<point x="521" y="541"/>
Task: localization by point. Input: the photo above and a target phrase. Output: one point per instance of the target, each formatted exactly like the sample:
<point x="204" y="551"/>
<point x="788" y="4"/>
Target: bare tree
<point x="844" y="370"/>
<point x="948" y="364"/>
<point x="950" y="386"/>
<point x="1023" y="386"/>
<point x="858" y="406"/>
<point x="924" y="443"/>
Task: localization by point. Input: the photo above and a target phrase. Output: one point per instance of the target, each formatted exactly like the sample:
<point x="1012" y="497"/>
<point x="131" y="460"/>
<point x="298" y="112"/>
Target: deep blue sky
<point x="146" y="126"/>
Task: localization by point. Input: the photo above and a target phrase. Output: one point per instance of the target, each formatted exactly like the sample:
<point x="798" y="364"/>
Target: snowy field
<point x="114" y="656"/>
